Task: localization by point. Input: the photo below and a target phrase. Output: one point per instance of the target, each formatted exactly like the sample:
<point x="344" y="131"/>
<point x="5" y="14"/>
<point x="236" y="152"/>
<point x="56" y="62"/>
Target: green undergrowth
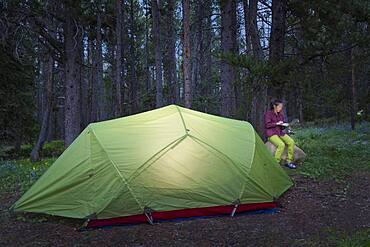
<point x="334" y="237"/>
<point x="360" y="238"/>
<point x="21" y="174"/>
<point x="50" y="149"/>
<point x="334" y="152"/>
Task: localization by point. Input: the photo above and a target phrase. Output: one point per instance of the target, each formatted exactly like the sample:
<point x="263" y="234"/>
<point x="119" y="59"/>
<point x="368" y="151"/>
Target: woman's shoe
<point x="290" y="165"/>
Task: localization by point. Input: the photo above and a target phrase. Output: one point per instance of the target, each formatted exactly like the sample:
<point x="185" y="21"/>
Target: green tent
<point x="170" y="158"/>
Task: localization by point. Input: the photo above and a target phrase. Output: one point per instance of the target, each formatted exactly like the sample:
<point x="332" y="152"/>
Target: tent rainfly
<point x="170" y="162"/>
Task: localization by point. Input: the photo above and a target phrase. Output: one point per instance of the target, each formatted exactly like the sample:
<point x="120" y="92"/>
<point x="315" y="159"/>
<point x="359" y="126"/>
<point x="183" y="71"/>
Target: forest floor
<point x="329" y="205"/>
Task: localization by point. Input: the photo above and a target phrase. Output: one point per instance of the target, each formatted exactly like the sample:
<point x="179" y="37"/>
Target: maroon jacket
<point x="271" y="118"/>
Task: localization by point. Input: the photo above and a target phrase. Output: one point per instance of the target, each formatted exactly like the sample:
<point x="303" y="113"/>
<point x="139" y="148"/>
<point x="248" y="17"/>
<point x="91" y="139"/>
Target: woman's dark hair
<point x="275" y="102"/>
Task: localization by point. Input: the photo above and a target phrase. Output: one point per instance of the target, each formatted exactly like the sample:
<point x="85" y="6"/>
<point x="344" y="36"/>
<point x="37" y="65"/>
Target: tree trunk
<point x="92" y="104"/>
<point x="158" y="53"/>
<point x="72" y="99"/>
<point x="40" y="85"/>
<point x="111" y="60"/>
<point x="277" y="29"/>
<point x="206" y="71"/>
<point x="148" y="75"/>
<point x="170" y="68"/>
<point x="186" y="52"/>
<point x="118" y="82"/>
<point x="253" y="29"/>
<point x="367" y="97"/>
<point x="132" y="58"/>
<point x="228" y="47"/>
<point x="100" y="87"/>
<point x="259" y="98"/>
<point x="300" y="102"/>
<point x="197" y="49"/>
<point x="248" y="42"/>
<point x="60" y="101"/>
<point x="353" y="89"/>
<point x="84" y="83"/>
<point x="277" y="38"/>
<point x="45" y="125"/>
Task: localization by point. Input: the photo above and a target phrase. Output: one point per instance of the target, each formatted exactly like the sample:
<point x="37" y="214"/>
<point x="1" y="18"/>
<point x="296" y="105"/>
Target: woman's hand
<point x="279" y="123"/>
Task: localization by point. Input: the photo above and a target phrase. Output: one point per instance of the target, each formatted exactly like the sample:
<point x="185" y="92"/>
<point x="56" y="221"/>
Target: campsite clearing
<point x="329" y="205"/>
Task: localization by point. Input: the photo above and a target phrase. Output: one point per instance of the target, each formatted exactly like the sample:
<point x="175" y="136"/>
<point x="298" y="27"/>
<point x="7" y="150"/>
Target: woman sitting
<point x="274" y="125"/>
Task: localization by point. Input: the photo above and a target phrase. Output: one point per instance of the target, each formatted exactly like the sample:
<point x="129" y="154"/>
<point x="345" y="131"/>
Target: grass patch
<point x="334" y="152"/>
<point x="21" y="174"/>
<point x="360" y="238"/>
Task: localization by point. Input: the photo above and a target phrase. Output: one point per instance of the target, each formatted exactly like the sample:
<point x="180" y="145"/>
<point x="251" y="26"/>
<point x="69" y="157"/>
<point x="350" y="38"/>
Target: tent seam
<point x="90" y="152"/>
<point x="251" y="162"/>
<point x="191" y="136"/>
<point x="234" y="164"/>
<point x="119" y="173"/>
<point x="182" y="119"/>
<point x="168" y="146"/>
<point x="171" y="145"/>
<point x="254" y="145"/>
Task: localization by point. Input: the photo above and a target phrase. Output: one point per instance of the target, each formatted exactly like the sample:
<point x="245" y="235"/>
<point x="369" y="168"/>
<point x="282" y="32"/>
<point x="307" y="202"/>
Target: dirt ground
<point x="311" y="211"/>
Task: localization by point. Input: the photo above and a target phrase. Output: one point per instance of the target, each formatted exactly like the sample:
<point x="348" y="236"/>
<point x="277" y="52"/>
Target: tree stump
<point x="299" y="154"/>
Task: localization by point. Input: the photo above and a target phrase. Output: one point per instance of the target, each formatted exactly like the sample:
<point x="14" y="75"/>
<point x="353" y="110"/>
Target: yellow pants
<point x="279" y="142"/>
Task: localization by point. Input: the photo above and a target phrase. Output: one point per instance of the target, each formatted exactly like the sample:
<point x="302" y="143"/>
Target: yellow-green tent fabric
<point x="166" y="159"/>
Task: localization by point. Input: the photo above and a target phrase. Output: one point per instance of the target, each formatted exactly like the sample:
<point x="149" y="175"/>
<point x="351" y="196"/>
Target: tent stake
<point x="150" y="218"/>
<point x="234" y="210"/>
<point x="148" y="214"/>
<point x="236" y="204"/>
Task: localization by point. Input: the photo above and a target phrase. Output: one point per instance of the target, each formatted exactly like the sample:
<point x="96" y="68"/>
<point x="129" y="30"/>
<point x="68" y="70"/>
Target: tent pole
<point x="236" y="204"/>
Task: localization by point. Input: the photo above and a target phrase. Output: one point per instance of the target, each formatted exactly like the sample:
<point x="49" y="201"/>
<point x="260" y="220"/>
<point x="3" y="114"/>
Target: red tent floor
<point x="182" y="213"/>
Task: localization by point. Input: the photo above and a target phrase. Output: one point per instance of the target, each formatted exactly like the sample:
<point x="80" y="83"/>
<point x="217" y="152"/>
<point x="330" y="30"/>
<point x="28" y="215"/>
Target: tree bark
<point x="60" y="100"/>
<point x="92" y="104"/>
<point x="228" y="47"/>
<point x="158" y="53"/>
<point x="206" y="70"/>
<point x="248" y="42"/>
<point x="186" y="53"/>
<point x="118" y="82"/>
<point x="170" y="61"/>
<point x="72" y="92"/>
<point x="100" y="87"/>
<point x="353" y="89"/>
<point x="132" y="58"/>
<point x="300" y="102"/>
<point x="45" y="125"/>
<point x="278" y="29"/>
<point x="253" y="29"/>
<point x="367" y="97"/>
<point x="197" y="49"/>
<point x="40" y="82"/>
<point x="277" y="38"/>
<point x="259" y="88"/>
<point x="148" y="74"/>
<point x="84" y="82"/>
